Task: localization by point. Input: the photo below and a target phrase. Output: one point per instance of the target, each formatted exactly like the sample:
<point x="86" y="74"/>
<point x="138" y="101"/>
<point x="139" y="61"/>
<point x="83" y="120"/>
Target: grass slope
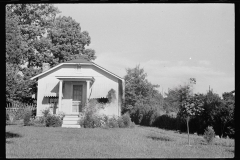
<point x="139" y="142"/>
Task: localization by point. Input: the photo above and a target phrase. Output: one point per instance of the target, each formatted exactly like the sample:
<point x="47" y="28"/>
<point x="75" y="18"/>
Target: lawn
<point x="138" y="142"/>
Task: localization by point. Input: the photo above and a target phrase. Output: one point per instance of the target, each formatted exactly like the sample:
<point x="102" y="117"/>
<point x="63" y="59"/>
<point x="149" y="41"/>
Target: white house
<point x="68" y="86"/>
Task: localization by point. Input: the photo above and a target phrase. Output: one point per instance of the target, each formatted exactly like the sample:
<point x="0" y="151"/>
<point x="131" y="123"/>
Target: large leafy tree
<point x="25" y="27"/>
<point x="12" y="79"/>
<point x="35" y="35"/>
<point x="33" y="20"/>
<point x="212" y="102"/>
<point x="141" y="97"/>
<point x="224" y="117"/>
<point x="175" y="97"/>
<point x="49" y="38"/>
<point x="68" y="42"/>
<point x="14" y="43"/>
<point x="18" y="86"/>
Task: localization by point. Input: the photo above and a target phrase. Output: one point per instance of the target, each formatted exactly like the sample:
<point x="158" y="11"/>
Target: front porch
<point x="74" y="93"/>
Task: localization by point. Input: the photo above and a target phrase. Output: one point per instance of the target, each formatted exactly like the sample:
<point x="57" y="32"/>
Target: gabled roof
<point x="77" y="61"/>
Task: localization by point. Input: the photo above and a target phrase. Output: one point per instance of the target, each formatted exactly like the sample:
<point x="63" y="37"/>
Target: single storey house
<point x="70" y="85"/>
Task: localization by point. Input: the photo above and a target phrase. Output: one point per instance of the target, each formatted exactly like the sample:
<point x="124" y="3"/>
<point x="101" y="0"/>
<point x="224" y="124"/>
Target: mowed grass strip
<point x="139" y="142"/>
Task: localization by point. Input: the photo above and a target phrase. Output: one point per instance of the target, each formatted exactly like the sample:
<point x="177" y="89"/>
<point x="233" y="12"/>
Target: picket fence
<point x="14" y="106"/>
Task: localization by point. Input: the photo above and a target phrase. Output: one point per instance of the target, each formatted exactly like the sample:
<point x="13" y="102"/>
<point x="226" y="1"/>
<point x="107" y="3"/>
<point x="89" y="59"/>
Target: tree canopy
<point x="175" y="97"/>
<point x="36" y="35"/>
<point x="68" y="42"/>
<point x="141" y="97"/>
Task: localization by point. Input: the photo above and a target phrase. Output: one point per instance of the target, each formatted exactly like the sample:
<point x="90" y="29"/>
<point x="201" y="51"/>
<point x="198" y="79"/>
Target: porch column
<point x="88" y="85"/>
<point x="60" y="96"/>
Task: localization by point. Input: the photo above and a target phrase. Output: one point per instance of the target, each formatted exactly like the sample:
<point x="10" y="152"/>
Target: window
<point x="77" y="92"/>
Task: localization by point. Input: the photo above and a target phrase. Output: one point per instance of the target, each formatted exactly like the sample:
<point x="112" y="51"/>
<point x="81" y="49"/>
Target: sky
<point x="172" y="42"/>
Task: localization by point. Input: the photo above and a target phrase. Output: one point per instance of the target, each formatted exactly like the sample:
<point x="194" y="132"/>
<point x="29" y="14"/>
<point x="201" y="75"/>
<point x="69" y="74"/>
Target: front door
<point x="77" y="98"/>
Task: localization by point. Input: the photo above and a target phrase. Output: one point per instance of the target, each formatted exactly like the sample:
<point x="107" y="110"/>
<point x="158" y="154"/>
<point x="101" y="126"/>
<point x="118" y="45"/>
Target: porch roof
<point x="76" y="78"/>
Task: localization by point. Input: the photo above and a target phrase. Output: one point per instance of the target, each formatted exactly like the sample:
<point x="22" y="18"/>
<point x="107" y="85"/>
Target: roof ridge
<point x="78" y="60"/>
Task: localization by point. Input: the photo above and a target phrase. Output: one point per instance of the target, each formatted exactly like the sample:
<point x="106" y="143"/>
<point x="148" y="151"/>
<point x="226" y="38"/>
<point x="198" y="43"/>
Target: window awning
<point x="51" y="90"/>
<point x="50" y="94"/>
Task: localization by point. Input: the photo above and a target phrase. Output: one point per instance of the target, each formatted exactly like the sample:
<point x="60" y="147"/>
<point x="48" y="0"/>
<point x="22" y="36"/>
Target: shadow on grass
<point x="10" y="123"/>
<point x="12" y="135"/>
<point x="160" y="138"/>
<point x="224" y="144"/>
<point x="9" y="142"/>
<point x="231" y="150"/>
<point x="15" y="122"/>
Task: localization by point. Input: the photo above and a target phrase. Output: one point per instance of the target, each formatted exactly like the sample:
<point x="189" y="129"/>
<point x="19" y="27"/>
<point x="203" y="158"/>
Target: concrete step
<point x="70" y="126"/>
<point x="77" y="114"/>
<point x="71" y="118"/>
<point x="70" y="122"/>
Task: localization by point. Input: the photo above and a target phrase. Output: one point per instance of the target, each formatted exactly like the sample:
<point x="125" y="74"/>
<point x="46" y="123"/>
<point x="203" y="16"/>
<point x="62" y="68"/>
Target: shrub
<point x="11" y="116"/>
<point x="209" y="135"/>
<point x="92" y="107"/>
<point x="111" y="96"/>
<point x="96" y="121"/>
<point x="105" y="127"/>
<point x="90" y="117"/>
<point x="81" y="121"/>
<point x="20" y="114"/>
<point x="39" y="121"/>
<point x="113" y="123"/>
<point x="126" y="120"/>
<point x="159" y="137"/>
<point x="61" y="115"/>
<point x="27" y="117"/>
<point x="121" y="123"/>
<point x="53" y="121"/>
<point x="90" y="121"/>
<point x="46" y="112"/>
<point x="7" y="116"/>
<point x="132" y="125"/>
<point x="105" y="119"/>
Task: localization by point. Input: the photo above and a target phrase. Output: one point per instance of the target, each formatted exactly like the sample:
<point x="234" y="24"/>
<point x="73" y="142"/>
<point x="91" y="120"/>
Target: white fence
<point x="16" y="106"/>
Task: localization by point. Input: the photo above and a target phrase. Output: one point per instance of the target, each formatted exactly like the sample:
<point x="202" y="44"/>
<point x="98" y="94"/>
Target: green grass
<point x="139" y="142"/>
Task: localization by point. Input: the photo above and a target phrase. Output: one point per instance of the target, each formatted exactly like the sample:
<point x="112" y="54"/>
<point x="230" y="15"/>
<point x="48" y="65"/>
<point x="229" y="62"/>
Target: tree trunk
<point x="188" y="129"/>
<point x="222" y="129"/>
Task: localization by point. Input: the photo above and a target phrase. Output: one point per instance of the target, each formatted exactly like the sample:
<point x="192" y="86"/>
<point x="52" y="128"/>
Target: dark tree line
<point x="146" y="106"/>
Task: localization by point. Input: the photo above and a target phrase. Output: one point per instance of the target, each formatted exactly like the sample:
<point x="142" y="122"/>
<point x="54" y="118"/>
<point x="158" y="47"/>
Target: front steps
<point x="71" y="121"/>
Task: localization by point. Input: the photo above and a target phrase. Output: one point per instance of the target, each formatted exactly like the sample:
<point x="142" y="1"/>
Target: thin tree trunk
<point x="222" y="129"/>
<point x="188" y="130"/>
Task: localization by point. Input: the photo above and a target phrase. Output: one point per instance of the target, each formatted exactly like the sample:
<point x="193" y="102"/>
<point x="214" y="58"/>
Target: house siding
<point x="42" y="102"/>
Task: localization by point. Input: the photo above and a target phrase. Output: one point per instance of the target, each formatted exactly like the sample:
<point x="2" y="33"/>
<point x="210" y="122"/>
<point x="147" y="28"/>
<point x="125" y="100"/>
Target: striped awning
<point x="50" y="94"/>
<point x="51" y="90"/>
